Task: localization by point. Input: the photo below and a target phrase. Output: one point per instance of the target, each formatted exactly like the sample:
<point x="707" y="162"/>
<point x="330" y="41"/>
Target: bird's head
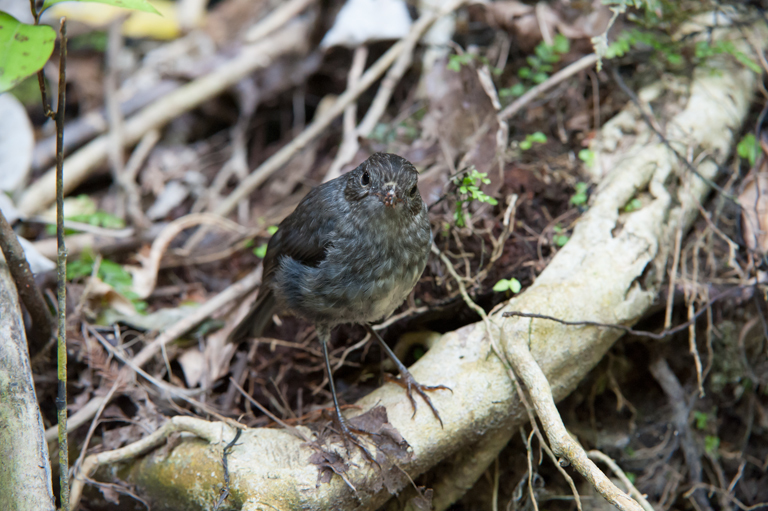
<point x="385" y="184"/>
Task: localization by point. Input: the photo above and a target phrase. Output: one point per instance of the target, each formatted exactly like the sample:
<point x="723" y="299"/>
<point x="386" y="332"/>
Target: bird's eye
<point x="365" y="179"/>
<point x="414" y="191"/>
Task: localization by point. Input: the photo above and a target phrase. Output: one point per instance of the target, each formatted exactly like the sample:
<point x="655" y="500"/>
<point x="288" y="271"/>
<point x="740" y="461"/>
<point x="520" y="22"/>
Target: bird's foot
<point x="348" y="437"/>
<point x="409" y="383"/>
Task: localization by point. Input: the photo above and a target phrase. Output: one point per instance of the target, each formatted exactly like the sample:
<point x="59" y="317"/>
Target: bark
<point x="25" y="472"/>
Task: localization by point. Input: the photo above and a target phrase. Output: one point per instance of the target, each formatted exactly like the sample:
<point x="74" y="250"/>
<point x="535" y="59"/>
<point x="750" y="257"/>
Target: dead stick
<point x="42" y="321"/>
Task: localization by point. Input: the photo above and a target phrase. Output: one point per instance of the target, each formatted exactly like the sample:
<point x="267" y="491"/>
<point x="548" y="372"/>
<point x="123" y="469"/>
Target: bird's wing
<point x="306" y="234"/>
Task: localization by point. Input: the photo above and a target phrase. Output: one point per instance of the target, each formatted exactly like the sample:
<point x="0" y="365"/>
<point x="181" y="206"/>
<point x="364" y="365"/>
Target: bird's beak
<point x="390" y="197"/>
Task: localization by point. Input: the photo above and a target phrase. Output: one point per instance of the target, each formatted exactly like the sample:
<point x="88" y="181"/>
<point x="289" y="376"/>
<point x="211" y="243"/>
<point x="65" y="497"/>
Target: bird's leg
<point x="324" y="334"/>
<point x="407" y="381"/>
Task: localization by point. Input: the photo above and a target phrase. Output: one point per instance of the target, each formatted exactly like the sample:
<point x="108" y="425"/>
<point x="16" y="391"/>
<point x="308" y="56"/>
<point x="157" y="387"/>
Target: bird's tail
<point x="257" y="320"/>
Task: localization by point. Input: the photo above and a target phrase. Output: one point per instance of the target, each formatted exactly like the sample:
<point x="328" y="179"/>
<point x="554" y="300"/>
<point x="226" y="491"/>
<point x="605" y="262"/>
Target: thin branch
<point x="233" y="292"/>
<point x="42" y="321"/>
<point x="597" y="455"/>
<point x="61" y="260"/>
<point x="281" y="157"/>
<point x="526" y="368"/>
<point x="565" y="73"/>
<point x="626" y="329"/>
<point x="291" y="39"/>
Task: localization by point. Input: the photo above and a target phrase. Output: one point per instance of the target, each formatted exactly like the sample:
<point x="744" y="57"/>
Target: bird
<point x="350" y="253"/>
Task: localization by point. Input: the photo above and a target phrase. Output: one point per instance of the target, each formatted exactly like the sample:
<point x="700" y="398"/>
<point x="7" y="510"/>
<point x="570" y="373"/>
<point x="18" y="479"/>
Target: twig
<point x="209" y="431"/>
<point x="115" y="118"/>
<point x="464" y="294"/>
<point x="169" y="389"/>
<point x="532" y="419"/>
<point x="525" y="366"/>
<point x="145" y="278"/>
<point x="269" y="414"/>
<point x="42" y="321"/>
<point x="597" y="455"/>
<point x="652" y="125"/>
<point x="349" y="143"/>
<point x="680" y="411"/>
<point x="171" y="333"/>
<point x="61" y="261"/>
<point x="276" y="19"/>
<point x="225" y="466"/>
<point x="92" y="427"/>
<point x="280" y="158"/>
<point x="563" y="74"/>
<point x="626" y="329"/>
<point x="291" y="39"/>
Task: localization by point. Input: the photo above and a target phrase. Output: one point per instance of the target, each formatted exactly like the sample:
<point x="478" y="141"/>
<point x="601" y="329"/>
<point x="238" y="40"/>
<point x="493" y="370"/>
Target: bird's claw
<point x="409" y="383"/>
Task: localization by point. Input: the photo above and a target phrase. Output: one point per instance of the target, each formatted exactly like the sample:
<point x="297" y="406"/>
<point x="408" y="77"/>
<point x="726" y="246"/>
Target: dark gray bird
<point x="350" y="252"/>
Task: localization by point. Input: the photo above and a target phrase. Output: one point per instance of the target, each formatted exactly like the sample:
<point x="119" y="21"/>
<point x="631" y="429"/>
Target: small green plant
<point x="261" y="250"/>
<point x="109" y="272"/>
<point x="707" y="49"/>
<point x="560" y="238"/>
<point x="505" y="285"/>
<point x="87" y="213"/>
<point x="711" y="443"/>
<point x="468" y="191"/>
<point x="664" y="47"/>
<point x="456" y="60"/>
<point x="540" y="65"/>
<point x="633" y="205"/>
<point x="748" y="148"/>
<point x="588" y="157"/>
<point x="701" y="419"/>
<point x="538" y="138"/>
<point x="579" y="197"/>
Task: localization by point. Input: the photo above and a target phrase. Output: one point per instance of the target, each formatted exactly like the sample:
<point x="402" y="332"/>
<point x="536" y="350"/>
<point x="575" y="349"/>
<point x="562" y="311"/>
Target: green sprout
<point x="560" y="238"/>
<point x="579" y="197"/>
<point x="748" y="148"/>
<point x="633" y="205"/>
<point x="261" y="250"/>
<point x="538" y="138"/>
<point x="109" y="272"/>
<point x="469" y="190"/>
<point x="540" y="65"/>
<point x="588" y="157"/>
<point x="504" y="285"/>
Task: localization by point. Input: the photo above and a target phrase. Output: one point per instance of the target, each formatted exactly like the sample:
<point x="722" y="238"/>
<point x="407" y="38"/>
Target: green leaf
<point x="711" y="443"/>
<point x="515" y="286"/>
<point x="701" y="419"/>
<point x="748" y="62"/>
<point x="580" y="195"/>
<point x="561" y="44"/>
<point x="560" y="239"/>
<point x="524" y="72"/>
<point x="538" y="137"/>
<point x="260" y="251"/>
<point x="501" y="286"/>
<point x="526" y="144"/>
<point x="134" y="5"/>
<point x="24" y="50"/>
<point x="271" y="230"/>
<point x="748" y="148"/>
<point x="587" y="156"/>
<point x="633" y="205"/>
